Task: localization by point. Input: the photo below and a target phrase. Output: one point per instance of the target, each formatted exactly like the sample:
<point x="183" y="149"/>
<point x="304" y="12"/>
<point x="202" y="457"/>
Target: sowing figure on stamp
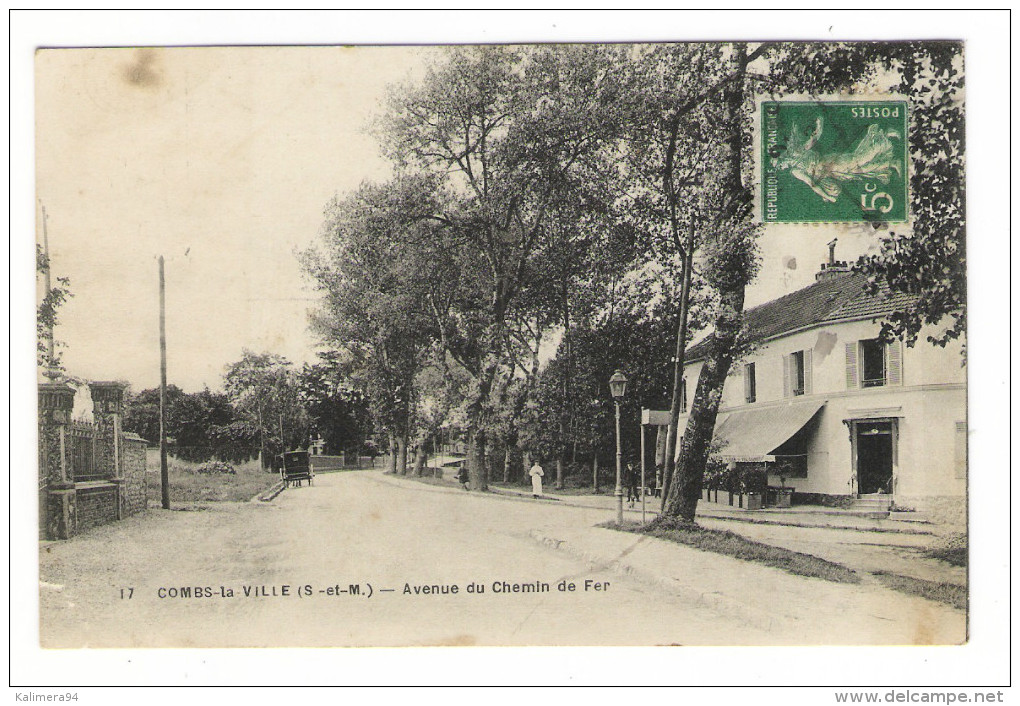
<point x="871" y="158"/>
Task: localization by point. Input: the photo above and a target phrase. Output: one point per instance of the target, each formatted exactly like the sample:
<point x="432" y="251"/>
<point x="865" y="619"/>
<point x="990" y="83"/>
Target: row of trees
<point x="267" y="407"/>
<point x="598" y="200"/>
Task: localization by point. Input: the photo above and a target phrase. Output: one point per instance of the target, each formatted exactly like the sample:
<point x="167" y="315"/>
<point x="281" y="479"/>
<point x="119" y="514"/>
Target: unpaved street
<point x="121" y="585"/>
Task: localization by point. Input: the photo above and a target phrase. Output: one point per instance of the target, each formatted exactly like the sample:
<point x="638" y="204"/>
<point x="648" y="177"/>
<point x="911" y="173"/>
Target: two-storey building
<point x="837" y="414"/>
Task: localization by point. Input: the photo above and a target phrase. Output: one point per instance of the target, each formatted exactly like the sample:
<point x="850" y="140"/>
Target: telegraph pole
<point x="164" y="474"/>
<point x="51" y="371"/>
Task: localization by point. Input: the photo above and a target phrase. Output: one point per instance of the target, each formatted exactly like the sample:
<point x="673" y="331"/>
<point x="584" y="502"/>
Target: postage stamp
<point x="833" y="161"/>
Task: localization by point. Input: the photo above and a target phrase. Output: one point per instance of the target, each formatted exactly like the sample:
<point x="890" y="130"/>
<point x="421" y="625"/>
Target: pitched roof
<point x="829" y="300"/>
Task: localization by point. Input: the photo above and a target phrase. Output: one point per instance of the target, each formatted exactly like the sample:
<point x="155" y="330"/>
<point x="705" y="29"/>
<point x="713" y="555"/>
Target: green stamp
<point x="833" y="161"/>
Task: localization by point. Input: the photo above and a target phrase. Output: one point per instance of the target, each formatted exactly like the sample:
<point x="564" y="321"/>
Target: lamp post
<point x="618" y="388"/>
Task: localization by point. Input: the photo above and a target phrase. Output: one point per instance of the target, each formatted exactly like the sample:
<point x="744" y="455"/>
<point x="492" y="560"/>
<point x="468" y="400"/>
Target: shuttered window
<point x="851" y="365"/>
<point x="871" y="363"/>
<point x="797" y="374"/>
<point x="807" y="385"/>
<point x="894" y="369"/>
<point x="750" y="391"/>
<point x="683" y="394"/>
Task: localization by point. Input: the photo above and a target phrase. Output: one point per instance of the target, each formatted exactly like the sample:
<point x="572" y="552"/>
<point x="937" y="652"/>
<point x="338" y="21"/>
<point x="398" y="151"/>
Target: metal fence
<point x="83" y="453"/>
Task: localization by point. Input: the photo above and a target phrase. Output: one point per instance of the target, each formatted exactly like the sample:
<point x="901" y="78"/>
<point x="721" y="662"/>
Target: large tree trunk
<point x="419" y="460"/>
<point x="392" y="460"/>
<point x="506" y="464"/>
<point x="488" y="460"/>
<point x="685" y="487"/>
<point x="402" y="454"/>
<point x="732" y="268"/>
<point x="526" y="463"/>
<point x="565" y="412"/>
<point x="660" y="454"/>
<point x="678" y="364"/>
<point x="476" y="460"/>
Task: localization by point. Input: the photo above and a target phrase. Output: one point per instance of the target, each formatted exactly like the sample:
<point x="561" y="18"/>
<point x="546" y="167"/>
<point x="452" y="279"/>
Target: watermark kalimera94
<point x="833" y="161"/>
<point x="32" y="696"/>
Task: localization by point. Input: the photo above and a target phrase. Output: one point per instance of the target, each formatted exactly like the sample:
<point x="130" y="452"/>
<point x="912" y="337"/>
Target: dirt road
<point x="284" y="574"/>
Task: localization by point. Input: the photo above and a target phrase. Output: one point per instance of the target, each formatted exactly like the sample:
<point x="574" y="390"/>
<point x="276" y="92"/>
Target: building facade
<point x="838" y="415"/>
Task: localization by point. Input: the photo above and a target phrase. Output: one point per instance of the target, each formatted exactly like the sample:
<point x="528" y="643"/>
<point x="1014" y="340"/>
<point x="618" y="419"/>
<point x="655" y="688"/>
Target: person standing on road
<point x="462" y="477"/>
<point x="536" y="474"/>
<point x="631" y="479"/>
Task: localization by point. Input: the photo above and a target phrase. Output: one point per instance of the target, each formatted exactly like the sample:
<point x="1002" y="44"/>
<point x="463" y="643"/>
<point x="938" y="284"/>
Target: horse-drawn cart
<point x="295" y="467"/>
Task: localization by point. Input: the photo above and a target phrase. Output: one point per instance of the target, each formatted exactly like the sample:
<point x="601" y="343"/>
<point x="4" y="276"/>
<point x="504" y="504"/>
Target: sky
<point x="219" y="159"/>
<point x="222" y="160"/>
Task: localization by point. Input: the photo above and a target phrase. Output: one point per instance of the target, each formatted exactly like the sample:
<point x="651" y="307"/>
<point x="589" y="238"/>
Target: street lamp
<point x="618" y="388"/>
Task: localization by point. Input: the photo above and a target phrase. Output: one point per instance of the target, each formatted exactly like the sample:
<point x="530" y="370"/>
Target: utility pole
<point x="164" y="474"/>
<point x="51" y="371"/>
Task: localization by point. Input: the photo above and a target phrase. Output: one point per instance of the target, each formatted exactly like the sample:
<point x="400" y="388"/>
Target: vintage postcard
<point x="502" y="345"/>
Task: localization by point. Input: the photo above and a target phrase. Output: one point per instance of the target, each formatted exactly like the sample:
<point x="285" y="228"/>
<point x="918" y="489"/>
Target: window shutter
<point x="851" y="365"/>
<point x="960" y="450"/>
<point x="747" y="383"/>
<point x="787" y="376"/>
<point x="894" y="359"/>
<point x="807" y="372"/>
<point x="683" y="394"/>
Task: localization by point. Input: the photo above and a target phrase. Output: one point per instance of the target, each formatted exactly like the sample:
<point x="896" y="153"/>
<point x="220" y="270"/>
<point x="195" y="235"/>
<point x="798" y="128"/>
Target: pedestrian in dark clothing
<point x="631" y="479"/>
<point x="462" y="477"/>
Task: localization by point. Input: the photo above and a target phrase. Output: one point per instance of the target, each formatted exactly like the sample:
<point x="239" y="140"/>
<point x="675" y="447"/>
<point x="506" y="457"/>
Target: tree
<point x="46" y="320"/>
<point x="630" y="330"/>
<point x="728" y="262"/>
<point x="200" y="425"/>
<point x="377" y="281"/>
<point x="510" y="133"/>
<point x="337" y="408"/>
<point x="141" y="412"/>
<point x="262" y="389"/>
<point x="672" y="154"/>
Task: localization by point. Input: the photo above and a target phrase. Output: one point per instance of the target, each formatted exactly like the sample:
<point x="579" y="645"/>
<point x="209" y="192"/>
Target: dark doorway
<point x="874" y="457"/>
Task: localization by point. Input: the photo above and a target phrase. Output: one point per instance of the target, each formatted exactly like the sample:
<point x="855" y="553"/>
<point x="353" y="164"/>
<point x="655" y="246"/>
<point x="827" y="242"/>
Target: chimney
<point x="833" y="268"/>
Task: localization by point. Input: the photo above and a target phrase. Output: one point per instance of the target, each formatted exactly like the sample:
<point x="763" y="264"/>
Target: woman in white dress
<point x="536" y="474"/>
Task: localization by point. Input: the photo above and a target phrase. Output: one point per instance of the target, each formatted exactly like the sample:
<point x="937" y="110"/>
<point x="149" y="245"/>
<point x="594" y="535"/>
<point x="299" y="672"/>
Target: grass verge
<point x="734" y="545"/>
<point x="188" y="486"/>
<point x="549" y="489"/>
<point x="952" y="550"/>
<point x="948" y="593"/>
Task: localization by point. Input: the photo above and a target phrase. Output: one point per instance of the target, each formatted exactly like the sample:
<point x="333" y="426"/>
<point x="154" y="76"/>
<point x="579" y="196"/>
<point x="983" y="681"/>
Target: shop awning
<point x="754" y="434"/>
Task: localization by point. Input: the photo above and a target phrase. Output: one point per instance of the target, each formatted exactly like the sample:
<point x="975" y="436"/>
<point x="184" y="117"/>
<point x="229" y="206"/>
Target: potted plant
<point x="783" y="495"/>
<point x="753" y="481"/>
<point x="715" y="474"/>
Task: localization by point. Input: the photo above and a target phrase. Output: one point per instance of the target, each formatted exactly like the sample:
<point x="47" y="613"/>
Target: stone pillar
<point x="107" y="412"/>
<point x="56" y="478"/>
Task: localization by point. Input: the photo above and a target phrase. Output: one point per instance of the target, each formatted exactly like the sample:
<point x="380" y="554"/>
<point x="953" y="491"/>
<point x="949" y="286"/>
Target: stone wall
<point x="133" y="492"/>
<point x="946" y="514"/>
<point x="96" y="505"/>
<point x="112" y="487"/>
